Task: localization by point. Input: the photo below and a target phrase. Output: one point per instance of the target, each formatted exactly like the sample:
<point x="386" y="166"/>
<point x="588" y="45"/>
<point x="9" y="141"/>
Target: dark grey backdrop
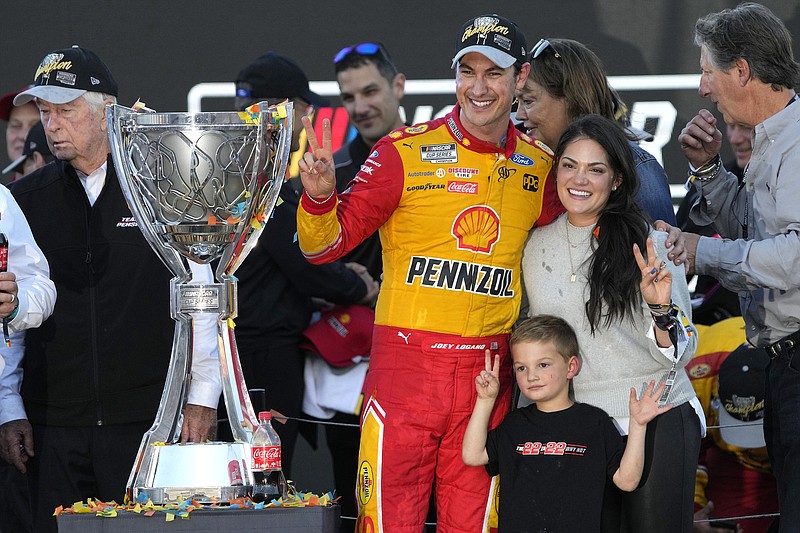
<point x="159" y="49"/>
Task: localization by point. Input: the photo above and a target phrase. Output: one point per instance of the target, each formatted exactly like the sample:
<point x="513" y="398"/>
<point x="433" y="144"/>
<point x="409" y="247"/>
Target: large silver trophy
<point x="201" y="186"/>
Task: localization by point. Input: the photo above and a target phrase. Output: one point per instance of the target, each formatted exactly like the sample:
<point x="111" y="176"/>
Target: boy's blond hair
<point x="547" y="328"/>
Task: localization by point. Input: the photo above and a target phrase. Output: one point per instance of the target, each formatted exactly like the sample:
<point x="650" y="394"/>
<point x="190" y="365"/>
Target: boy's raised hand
<point x="646" y="408"/>
<point x="487" y="382"/>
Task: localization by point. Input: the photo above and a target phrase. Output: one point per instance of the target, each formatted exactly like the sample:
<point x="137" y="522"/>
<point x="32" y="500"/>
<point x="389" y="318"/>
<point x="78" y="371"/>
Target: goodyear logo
<point x="460" y="276"/>
<point x="366" y="482"/>
<point x="425" y="187"/>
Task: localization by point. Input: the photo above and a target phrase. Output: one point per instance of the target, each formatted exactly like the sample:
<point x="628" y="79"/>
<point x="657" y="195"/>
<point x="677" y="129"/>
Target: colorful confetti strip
<point x="183" y="509"/>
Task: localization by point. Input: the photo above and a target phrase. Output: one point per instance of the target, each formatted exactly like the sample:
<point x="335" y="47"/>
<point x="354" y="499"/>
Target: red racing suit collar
<point x="460" y="134"/>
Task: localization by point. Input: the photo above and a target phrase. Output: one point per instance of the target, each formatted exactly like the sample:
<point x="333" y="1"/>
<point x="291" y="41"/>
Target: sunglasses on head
<point x="364" y="49"/>
<point x="540" y="47"/>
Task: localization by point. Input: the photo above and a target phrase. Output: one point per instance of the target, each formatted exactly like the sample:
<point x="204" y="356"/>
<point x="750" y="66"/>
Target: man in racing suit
<point x="454" y="200"/>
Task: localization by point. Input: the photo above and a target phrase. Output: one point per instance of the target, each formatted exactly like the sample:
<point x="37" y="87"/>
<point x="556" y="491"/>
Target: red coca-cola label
<point x="266" y="458"/>
<point x="235" y="472"/>
<point x="3" y="258"/>
<point x="462" y="187"/>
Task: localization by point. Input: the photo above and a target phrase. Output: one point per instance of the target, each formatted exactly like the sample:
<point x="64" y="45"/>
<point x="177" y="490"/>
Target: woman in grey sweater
<point x="603" y="268"/>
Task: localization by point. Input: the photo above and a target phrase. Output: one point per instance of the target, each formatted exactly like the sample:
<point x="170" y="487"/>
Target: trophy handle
<point x="140" y="209"/>
<point x="272" y="172"/>
<point x="241" y="416"/>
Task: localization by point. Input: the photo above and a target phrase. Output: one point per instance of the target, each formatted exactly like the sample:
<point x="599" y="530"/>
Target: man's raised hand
<point x="316" y="167"/>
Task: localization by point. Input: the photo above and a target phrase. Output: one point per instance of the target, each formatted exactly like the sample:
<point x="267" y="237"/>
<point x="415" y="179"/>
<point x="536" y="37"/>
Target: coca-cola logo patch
<point x="462" y="187"/>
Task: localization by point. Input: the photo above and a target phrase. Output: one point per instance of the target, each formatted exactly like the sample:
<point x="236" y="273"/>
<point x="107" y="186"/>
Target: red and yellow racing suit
<point x="453" y="214"/>
<point x="738" y="480"/>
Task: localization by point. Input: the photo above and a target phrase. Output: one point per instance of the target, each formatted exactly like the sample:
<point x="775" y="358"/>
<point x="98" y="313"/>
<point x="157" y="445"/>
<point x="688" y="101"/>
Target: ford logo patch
<point x="520" y="159"/>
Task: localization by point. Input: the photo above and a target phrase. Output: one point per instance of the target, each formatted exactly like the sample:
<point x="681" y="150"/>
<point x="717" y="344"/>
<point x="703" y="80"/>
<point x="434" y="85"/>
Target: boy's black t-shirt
<point x="553" y="468"/>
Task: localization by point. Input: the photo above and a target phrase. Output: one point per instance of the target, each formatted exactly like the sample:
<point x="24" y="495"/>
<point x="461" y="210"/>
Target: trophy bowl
<point x="201" y="187"/>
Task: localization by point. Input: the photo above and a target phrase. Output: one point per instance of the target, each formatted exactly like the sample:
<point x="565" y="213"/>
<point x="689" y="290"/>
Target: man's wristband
<point x="13" y="315"/>
<point x="708" y="171"/>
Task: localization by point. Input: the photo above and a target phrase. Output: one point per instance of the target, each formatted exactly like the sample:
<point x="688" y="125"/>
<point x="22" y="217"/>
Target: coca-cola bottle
<point x="268" y="480"/>
<point x="234" y="468"/>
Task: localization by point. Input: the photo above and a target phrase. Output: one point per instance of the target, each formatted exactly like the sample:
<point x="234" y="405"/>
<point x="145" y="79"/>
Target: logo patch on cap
<point x="502" y="42"/>
<point x="65" y="78"/>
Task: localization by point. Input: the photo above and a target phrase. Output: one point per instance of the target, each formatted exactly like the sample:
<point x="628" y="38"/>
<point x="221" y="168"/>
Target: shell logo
<point x="366" y="482"/>
<point x="477" y="228"/>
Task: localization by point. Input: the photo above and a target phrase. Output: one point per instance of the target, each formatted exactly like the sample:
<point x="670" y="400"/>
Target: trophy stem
<point x="166" y="427"/>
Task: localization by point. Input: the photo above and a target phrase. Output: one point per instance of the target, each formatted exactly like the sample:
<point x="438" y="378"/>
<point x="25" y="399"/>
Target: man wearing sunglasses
<point x="454" y="199"/>
<point x="370" y="88"/>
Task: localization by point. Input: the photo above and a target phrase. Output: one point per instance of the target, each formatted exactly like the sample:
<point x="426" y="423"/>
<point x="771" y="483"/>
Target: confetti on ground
<point x="183" y="509"/>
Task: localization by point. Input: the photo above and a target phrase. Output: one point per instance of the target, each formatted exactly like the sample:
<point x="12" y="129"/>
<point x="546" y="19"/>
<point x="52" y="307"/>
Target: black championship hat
<point x="742" y="383"/>
<point x="274" y="76"/>
<point x="64" y="75"/>
<point x="494" y="36"/>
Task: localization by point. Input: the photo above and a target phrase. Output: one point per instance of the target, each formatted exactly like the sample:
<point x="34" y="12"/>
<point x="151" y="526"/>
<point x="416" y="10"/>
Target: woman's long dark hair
<point x="614" y="276"/>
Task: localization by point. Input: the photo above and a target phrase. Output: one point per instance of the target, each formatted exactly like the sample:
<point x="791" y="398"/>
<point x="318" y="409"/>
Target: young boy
<point x="554" y="455"/>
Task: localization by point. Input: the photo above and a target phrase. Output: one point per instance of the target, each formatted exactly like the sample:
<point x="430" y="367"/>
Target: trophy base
<point x="204" y="495"/>
<point x="213" y="472"/>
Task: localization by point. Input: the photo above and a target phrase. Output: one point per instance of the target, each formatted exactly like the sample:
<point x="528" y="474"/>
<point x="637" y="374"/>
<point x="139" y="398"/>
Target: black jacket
<point x="276" y="283"/>
<point x="348" y="160"/>
<point x="102" y="357"/>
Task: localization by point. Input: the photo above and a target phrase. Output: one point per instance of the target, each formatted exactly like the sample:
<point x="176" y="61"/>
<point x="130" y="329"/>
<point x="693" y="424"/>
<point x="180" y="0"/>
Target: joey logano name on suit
<point x="460" y="276"/>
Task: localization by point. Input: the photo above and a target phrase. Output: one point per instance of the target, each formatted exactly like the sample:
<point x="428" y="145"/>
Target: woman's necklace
<point x="573" y="275"/>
